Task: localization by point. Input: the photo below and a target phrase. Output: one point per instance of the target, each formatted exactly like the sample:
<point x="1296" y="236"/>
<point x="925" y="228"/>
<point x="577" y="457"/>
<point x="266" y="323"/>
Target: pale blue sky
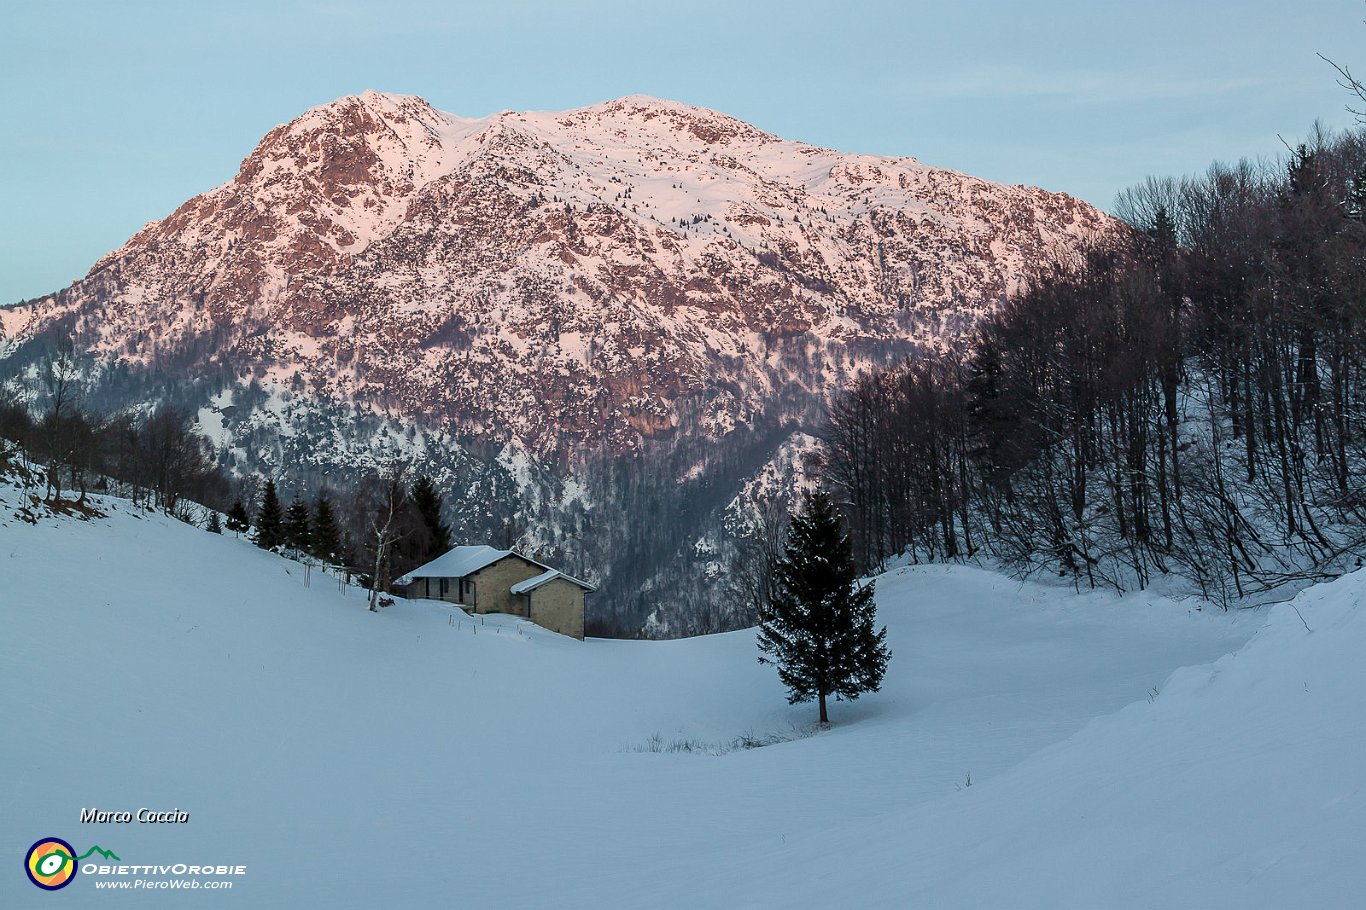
<point x="115" y="113"/>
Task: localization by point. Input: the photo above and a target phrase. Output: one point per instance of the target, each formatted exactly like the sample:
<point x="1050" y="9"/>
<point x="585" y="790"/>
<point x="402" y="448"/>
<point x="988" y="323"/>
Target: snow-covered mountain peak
<point x="399" y="138"/>
<point x="519" y="300"/>
<point x="630" y="269"/>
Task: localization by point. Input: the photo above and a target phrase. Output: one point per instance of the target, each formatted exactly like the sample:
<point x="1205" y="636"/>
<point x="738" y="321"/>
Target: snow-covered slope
<point x="414" y="758"/>
<point x="1239" y="785"/>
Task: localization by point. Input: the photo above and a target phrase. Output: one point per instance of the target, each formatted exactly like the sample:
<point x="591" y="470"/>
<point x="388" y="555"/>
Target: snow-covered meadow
<point x="419" y="758"/>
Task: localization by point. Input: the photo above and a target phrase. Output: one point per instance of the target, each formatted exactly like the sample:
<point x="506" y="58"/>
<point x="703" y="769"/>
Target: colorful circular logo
<point x="50" y="863"/>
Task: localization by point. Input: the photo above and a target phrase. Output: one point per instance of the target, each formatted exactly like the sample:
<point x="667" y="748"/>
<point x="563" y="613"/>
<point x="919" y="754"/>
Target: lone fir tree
<point x="238" y="520"/>
<point x="298" y="535"/>
<point x="818" y="626"/>
<point x="436" y="538"/>
<point x="270" y="519"/>
<point x="326" y="539"/>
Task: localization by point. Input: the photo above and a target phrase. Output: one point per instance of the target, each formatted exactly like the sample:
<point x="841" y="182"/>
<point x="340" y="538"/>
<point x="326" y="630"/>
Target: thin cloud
<point x="1080" y="87"/>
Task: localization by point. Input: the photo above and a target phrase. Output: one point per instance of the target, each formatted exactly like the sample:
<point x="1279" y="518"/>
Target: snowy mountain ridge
<point x="597" y="276"/>
<point x="550" y="313"/>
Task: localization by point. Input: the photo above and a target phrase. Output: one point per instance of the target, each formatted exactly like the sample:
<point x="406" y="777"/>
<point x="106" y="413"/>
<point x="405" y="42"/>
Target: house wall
<point x="559" y="606"/>
<point x="492" y="584"/>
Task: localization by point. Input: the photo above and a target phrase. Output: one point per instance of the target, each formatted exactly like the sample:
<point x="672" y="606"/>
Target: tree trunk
<point x="825" y="718"/>
<point x="374" y="579"/>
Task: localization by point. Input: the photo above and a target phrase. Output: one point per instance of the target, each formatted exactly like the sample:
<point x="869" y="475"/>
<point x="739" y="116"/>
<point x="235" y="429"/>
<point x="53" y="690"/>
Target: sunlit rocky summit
<point x="559" y="278"/>
<point x="515" y="303"/>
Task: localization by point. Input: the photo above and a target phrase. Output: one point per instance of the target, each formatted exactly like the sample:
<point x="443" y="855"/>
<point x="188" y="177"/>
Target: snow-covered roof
<point x="531" y="584"/>
<point x="459" y="562"/>
<point x="456" y="562"/>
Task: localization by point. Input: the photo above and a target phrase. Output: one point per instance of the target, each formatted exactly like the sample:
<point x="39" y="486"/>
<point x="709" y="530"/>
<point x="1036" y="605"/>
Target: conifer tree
<point x="326" y="540"/>
<point x="215" y="525"/>
<point x="297" y="532"/>
<point x="270" y="529"/>
<point x="818" y="628"/>
<point x="1163" y="231"/>
<point x="238" y="520"/>
<point x="427" y="501"/>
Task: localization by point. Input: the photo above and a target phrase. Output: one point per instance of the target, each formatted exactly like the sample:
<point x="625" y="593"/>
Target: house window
<point x="445" y="586"/>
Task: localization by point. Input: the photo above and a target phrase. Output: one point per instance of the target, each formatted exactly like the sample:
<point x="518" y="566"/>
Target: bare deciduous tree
<point x="384" y="498"/>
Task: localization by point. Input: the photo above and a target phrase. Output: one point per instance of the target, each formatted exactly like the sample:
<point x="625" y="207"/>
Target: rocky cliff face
<point x="600" y="280"/>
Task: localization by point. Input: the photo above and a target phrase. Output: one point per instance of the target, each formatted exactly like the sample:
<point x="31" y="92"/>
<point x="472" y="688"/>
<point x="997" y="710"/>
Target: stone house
<point x="484" y="580"/>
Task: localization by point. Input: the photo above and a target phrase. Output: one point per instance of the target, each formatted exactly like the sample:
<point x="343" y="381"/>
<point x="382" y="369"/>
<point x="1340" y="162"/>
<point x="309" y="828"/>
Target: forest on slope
<point x="1186" y="403"/>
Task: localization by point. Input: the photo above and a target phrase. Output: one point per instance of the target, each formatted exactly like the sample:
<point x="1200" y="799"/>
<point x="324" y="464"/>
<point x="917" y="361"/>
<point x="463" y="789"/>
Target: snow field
<point x="420" y="757"/>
